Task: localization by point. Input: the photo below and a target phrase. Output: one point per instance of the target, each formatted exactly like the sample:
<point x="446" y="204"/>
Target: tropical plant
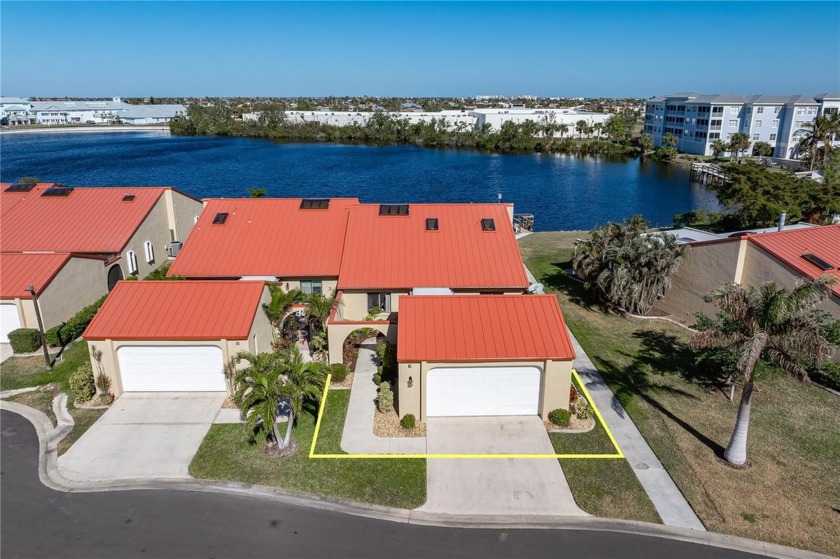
<point x="302" y="381"/>
<point x="281" y="301"/>
<point x="646" y="141"/>
<point x="373" y="313"/>
<point x="318" y="308"/>
<point x="580" y="128"/>
<point x="103" y="384"/>
<point x="719" y="147"/>
<point x="256" y="192"/>
<point x="766" y="322"/>
<point x="739" y="142"/>
<point x="258" y="394"/>
<point x="627" y="267"/>
<point x="230" y="374"/>
<point x="762" y="149"/>
<point x="818" y="132"/>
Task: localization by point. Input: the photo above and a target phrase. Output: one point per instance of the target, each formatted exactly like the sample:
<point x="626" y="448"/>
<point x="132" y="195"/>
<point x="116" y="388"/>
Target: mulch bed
<point x="387" y="425"/>
<point x="346" y="384"/>
<point x="575" y="424"/>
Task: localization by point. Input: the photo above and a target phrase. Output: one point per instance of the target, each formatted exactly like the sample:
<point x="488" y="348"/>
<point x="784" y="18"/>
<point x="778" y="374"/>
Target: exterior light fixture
<point x="410" y="382"/>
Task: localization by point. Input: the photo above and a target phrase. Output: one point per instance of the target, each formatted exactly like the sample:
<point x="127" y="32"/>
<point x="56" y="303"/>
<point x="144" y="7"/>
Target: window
<point x="150" y="251"/>
<point x="772" y="137"/>
<point x="393" y="209"/>
<point x="714" y="135"/>
<point x="800" y="110"/>
<point x="717" y="111"/>
<point x="776" y="110"/>
<point x="716" y="124"/>
<point x="733" y="124"/>
<point x="131" y="260"/>
<point x="759" y="110"/>
<point x="315" y="204"/>
<point x="432" y="224"/>
<point x="775" y="123"/>
<point x="755" y="137"/>
<point x="311" y="286"/>
<point x="220" y="218"/>
<point x="488" y="224"/>
<point x="381" y="300"/>
<point x="733" y="110"/>
<point x="758" y="124"/>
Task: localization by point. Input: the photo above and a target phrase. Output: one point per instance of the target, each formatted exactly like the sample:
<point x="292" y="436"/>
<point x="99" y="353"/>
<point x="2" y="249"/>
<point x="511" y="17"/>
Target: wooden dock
<point x="708" y="172"/>
<point x="523" y="222"/>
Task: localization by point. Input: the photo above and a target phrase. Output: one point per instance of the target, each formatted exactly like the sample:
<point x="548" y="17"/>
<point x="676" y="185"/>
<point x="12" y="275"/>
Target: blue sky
<point x="417" y="49"/>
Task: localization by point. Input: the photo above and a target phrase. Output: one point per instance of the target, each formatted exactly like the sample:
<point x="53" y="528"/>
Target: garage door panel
<point x="171" y="368"/>
<point x="482" y="391"/>
<point x="9" y="320"/>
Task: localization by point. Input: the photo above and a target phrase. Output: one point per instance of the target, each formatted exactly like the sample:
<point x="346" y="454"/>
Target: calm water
<point x="564" y="192"/>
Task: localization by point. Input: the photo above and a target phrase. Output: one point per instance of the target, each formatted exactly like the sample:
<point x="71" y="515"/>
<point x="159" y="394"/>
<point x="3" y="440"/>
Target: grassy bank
<point x="226" y="454"/>
<point x="790" y="493"/>
<point x="22" y="372"/>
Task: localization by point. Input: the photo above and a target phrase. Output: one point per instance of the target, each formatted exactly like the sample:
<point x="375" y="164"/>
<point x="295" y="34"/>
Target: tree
<point x="302" y="381"/>
<point x="762" y="149"/>
<point x="627" y="267"/>
<point x="563" y="128"/>
<point x="765" y="322"/>
<point x="318" y="308"/>
<point x="281" y="301"/>
<point x="256" y="192"/>
<point x="739" y="142"/>
<point x="598" y="127"/>
<point x="580" y="127"/>
<point x="719" y="147"/>
<point x="819" y="131"/>
<point x="646" y="141"/>
<point x="258" y="393"/>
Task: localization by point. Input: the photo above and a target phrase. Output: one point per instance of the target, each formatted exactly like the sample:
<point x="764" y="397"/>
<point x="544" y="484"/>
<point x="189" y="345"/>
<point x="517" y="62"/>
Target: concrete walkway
<point x="358" y="437"/>
<point x="5" y="352"/>
<point x="663" y="492"/>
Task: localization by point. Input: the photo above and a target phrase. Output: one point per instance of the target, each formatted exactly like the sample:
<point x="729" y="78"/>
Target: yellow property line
<point x="618" y="454"/>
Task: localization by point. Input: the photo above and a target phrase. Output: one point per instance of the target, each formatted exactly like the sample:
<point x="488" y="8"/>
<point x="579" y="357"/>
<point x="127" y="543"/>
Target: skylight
<point x="488" y="224"/>
<point x="315" y="204"/>
<point x="220" y="218"/>
<point x="128" y="198"/>
<point x="56" y="191"/>
<point x="21" y="187"/>
<point x="432" y="224"/>
<point x="818" y="262"/>
<point x="393" y="209"/>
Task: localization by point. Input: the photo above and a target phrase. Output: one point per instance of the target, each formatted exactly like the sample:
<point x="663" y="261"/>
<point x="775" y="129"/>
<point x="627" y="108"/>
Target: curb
<point x="15" y="392"/>
<point x="51" y="477"/>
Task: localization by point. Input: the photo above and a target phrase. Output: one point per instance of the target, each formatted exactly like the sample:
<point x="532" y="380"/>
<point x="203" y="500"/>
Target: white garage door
<point x="483" y="391"/>
<point x="171" y="368"/>
<point x="9" y="320"/>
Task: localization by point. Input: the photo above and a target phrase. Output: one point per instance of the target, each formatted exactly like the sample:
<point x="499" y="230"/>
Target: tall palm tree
<point x="767" y="321"/>
<point x="281" y="302"/>
<point x="740" y="141"/>
<point x="819" y="131"/>
<point x="562" y="128"/>
<point x="318" y="307"/>
<point x="598" y="127"/>
<point x="719" y="147"/>
<point x="301" y="381"/>
<point x="580" y="127"/>
<point x="258" y="393"/>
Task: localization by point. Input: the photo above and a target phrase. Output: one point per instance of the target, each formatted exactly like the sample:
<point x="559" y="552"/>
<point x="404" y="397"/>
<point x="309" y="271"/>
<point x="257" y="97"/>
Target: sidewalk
<point x="358" y="437"/>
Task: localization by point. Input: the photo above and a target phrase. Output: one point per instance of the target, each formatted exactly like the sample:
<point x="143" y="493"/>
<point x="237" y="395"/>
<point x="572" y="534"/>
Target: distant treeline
<point x="385" y="129"/>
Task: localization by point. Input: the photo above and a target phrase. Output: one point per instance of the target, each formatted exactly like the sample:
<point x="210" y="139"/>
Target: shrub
<point x="103" y="383"/>
<point x="82" y="384"/>
<point x="560" y="417"/>
<point x="373" y="313"/>
<point x="63" y="334"/>
<point x="582" y="408"/>
<point x="339" y="371"/>
<point x="377" y="379"/>
<point x="387" y="353"/>
<point x="408" y="421"/>
<point x="25" y="340"/>
<point x="385" y="402"/>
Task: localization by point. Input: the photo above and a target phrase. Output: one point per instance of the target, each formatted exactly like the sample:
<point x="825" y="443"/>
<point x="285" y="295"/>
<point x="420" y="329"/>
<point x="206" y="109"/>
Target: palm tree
<point x="719" y="147"/>
<point x="598" y="127"/>
<point x="319" y="307"/>
<point x="580" y="127"/>
<point x="819" y="131"/>
<point x="258" y="393"/>
<point x="562" y="128"/>
<point x="302" y="381"/>
<point x="739" y="142"/>
<point x="771" y="322"/>
<point x="281" y="301"/>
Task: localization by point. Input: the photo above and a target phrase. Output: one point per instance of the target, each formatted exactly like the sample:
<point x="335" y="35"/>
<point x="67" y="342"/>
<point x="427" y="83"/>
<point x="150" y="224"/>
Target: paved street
<point x="39" y="522"/>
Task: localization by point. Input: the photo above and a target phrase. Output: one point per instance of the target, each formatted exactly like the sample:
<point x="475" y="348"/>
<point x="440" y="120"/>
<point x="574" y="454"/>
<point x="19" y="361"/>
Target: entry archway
<point x="115" y="274"/>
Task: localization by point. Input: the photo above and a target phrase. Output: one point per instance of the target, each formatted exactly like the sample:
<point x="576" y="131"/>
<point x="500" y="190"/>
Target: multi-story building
<point x="698" y="120"/>
<point x="17" y="111"/>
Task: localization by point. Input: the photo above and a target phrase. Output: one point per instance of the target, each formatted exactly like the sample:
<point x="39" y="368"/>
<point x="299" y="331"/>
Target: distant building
<point x="16" y="111"/>
<point x="568" y="116"/>
<point x="151" y="114"/>
<point x="698" y="120"/>
<point x="409" y="107"/>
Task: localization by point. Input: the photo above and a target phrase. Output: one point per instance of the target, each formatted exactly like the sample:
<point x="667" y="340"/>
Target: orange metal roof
<point x="265" y="237"/>
<point x="789" y="246"/>
<point x="18" y="271"/>
<point x="382" y="252"/>
<point x="9" y="199"/>
<point x="92" y="220"/>
<point x="481" y="328"/>
<point x="177" y="310"/>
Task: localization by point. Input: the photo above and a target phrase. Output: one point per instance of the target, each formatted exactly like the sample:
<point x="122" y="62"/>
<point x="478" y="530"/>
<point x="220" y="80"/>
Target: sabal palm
<point x="302" y="380"/>
<point x="258" y="392"/>
<point x="767" y="321"/>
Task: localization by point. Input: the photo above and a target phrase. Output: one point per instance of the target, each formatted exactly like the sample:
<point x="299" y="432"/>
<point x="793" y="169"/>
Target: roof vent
<point x="220" y="218"/>
<point x="818" y="262"/>
<point x="128" y="198"/>
<point x="488" y="224"/>
<point x="393" y="209"/>
<point x="21" y="187"/>
<point x="432" y="224"/>
<point x="55" y="191"/>
<point x="315" y="204"/>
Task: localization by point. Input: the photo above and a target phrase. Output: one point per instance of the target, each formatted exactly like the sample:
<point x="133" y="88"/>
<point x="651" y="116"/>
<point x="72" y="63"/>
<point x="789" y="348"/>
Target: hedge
<point x="25" y="340"/>
<point x="65" y="333"/>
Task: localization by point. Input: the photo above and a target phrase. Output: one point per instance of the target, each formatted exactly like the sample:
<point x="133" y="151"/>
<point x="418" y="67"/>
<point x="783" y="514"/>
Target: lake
<point x="562" y="191"/>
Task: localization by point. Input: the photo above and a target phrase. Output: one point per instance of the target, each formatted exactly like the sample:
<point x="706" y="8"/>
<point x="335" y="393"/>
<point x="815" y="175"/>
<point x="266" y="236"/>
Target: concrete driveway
<point x="143" y="435"/>
<point x="499" y="485"/>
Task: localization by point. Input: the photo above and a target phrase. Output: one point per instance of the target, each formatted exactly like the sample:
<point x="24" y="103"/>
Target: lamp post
<point x="31" y="290"/>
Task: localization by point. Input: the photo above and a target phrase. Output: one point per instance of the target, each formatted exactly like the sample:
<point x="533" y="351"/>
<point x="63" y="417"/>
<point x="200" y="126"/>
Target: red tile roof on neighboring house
<point x="177" y="310"/>
<point x="789" y="246"/>
<point x="18" y="271"/>
<point x="265" y="237"/>
<point x="481" y="328"/>
<point x="90" y="220"/>
<point x="397" y="251"/>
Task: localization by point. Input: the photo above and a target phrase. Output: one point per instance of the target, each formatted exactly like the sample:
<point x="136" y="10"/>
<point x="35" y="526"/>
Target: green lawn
<point x="22" y="372"/>
<point x="226" y="454"/>
<point x="790" y="495"/>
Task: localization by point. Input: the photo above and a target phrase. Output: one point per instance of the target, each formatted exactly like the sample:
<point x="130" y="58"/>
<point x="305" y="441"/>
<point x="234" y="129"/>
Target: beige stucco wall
<point x="328" y="285"/>
<point x="554" y="390"/>
<point x="182" y="211"/>
<point x="79" y="283"/>
<point x="338" y="332"/>
<point x="703" y="268"/>
<point x="262" y="332"/>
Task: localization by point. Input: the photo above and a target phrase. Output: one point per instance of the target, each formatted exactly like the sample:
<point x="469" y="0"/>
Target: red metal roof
<point x="789" y="246"/>
<point x="265" y="237"/>
<point x="91" y="220"/>
<point x="18" y="271"/>
<point x="177" y="310"/>
<point x="396" y="251"/>
<point x="481" y="328"/>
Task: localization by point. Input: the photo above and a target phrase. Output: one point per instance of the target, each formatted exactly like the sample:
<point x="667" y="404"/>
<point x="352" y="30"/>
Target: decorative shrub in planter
<point x="573" y="395"/>
<point x="385" y="402"/>
<point x="82" y="384"/>
<point x="560" y="417"/>
<point x="25" y="340"/>
<point x="339" y="372"/>
<point x="582" y="409"/>
<point x="408" y="421"/>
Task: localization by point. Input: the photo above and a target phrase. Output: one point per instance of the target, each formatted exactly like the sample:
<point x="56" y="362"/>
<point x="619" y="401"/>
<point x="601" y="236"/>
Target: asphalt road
<point x="38" y="522"/>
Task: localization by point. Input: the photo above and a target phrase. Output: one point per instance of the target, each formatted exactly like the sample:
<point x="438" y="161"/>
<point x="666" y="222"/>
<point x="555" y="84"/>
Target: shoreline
<point x="86" y="129"/>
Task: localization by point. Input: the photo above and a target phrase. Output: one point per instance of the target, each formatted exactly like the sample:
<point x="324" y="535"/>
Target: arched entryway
<point x="350" y="347"/>
<point x="114" y="275"/>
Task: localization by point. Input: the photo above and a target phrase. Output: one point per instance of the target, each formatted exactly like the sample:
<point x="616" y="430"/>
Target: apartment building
<point x="698" y="120"/>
